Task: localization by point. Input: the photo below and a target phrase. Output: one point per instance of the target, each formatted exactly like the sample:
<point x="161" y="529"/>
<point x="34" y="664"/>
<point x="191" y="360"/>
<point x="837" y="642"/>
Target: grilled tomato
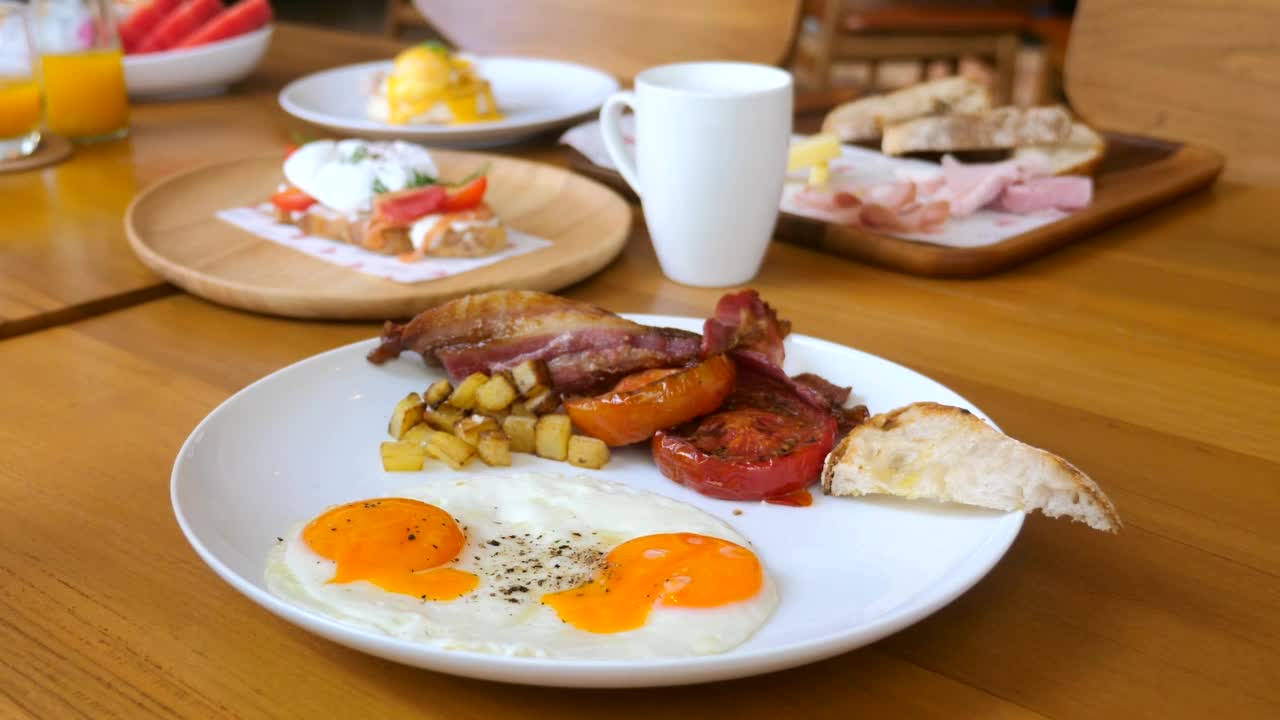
<point x="769" y="438"/>
<point x="647" y="402"/>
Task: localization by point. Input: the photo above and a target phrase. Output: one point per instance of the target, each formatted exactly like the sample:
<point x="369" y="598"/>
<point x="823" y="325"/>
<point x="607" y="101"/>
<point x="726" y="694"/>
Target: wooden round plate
<point x="172" y="228"/>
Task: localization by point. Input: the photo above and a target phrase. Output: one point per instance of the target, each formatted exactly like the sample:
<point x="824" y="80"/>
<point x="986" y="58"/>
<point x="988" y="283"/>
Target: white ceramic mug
<point x="710" y="158"/>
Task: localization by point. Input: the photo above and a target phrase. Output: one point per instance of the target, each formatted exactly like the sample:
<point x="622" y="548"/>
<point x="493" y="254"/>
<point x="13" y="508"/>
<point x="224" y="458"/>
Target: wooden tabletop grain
<point x="1147" y="355"/>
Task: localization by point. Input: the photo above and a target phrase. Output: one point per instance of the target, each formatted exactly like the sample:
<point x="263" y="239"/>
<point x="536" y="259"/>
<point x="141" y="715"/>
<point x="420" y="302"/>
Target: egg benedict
<point x="428" y="85"/>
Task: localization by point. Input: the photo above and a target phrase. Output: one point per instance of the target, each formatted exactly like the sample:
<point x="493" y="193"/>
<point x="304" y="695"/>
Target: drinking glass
<point x="81" y="69"/>
<point x="19" y="91"/>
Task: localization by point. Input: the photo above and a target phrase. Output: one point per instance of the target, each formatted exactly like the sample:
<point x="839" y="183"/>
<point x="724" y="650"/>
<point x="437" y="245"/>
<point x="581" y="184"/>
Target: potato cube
<point x="543" y="403"/>
<point x="450" y="450"/>
<point x="402" y="456"/>
<point x="494" y="449"/>
<point x="531" y="377"/>
<point x="437" y="393"/>
<point x="551" y="436"/>
<point x="470" y="428"/>
<point x="464" y="396"/>
<point x="418" y="434"/>
<point x="444" y="417"/>
<point x="587" y="452"/>
<point x="519" y="408"/>
<point x="408" y="412"/>
<point x="495" y="395"/>
<point x="520" y="430"/>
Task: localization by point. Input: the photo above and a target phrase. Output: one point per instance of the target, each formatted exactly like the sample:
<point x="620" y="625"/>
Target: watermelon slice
<point x="135" y="28"/>
<point x="243" y="17"/>
<point x="179" y="24"/>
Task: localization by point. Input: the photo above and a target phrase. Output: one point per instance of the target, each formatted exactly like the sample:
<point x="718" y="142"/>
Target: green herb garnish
<point x="379" y="187"/>
<point x="419" y="179"/>
<point x="360" y="153"/>
<point x="436" y="45"/>
<point x="482" y="170"/>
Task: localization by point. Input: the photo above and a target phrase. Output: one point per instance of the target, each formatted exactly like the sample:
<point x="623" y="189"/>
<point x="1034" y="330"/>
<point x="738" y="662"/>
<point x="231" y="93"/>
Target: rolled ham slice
<point x="1066" y="192"/>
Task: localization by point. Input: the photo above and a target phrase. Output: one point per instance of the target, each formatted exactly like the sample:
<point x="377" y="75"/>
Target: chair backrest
<point x="1206" y="72"/>
<point x="620" y="36"/>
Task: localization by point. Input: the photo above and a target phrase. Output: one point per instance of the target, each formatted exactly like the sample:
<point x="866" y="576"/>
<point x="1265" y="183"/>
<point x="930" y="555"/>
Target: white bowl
<point x="198" y="71"/>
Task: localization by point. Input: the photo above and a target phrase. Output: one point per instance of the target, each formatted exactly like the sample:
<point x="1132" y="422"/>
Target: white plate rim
<point x="200" y="51"/>
<point x="443" y="133"/>
<point x="593" y="673"/>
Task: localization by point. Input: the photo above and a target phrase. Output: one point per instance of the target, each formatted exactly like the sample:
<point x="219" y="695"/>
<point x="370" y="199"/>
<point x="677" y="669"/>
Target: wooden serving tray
<point x="1136" y="175"/>
<point x="173" y="230"/>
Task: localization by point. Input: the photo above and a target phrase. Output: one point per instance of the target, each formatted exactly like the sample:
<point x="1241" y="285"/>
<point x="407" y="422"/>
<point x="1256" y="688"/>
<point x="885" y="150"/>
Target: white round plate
<point x="534" y="95"/>
<point x="849" y="571"/>
<point x="197" y="72"/>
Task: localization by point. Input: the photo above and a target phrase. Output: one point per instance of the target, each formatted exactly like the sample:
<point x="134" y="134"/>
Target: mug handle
<point x="611" y="128"/>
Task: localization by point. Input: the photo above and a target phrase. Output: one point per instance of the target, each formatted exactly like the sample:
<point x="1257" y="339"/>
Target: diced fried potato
<point x="531" y="377"/>
<point x="587" y="452"/>
<point x="494" y="449"/>
<point x="495" y="395"/>
<point x="408" y="412"/>
<point x="418" y="434"/>
<point x="402" y="456"/>
<point x="543" y="403"/>
<point x="470" y="428"/>
<point x="519" y="408"/>
<point x="520" y="430"/>
<point x="444" y="417"/>
<point x="437" y="393"/>
<point x="551" y="436"/>
<point x="464" y="396"/>
<point x="450" y="450"/>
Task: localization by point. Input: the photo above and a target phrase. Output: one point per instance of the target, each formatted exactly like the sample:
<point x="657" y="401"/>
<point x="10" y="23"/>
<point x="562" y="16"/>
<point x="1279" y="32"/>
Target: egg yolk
<point x="679" y="569"/>
<point x="397" y="544"/>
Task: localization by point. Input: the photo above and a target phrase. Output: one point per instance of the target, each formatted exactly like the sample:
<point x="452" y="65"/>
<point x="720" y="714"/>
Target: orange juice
<point x="19" y="107"/>
<point x="84" y="94"/>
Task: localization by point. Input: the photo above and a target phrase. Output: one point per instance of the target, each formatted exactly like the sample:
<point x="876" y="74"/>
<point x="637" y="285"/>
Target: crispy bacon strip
<point x="584" y="346"/>
<point x="742" y="320"/>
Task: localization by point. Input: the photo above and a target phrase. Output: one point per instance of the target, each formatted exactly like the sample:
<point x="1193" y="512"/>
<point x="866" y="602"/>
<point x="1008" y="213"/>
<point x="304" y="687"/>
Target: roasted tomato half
<point x="769" y="438"/>
<point x="647" y="402"/>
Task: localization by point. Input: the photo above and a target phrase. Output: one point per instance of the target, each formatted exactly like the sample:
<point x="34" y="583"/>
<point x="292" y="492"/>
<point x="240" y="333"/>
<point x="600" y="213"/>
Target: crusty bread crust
<point x="1080" y="154"/>
<point x="938" y="452"/>
<point x="469" y="241"/>
<point x="1000" y="129"/>
<point x="865" y="118"/>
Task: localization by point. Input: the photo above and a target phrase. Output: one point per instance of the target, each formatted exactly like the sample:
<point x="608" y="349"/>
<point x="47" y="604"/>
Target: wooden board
<point x="1138" y="174"/>
<point x="172" y="228"/>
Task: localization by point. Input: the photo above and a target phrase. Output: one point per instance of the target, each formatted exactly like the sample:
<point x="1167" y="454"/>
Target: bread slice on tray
<point x="864" y="119"/>
<point x="943" y="453"/>
<point x="1080" y="154"/>
<point x="1000" y="129"/>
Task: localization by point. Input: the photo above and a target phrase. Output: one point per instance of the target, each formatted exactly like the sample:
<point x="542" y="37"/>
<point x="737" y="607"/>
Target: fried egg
<point x="530" y="565"/>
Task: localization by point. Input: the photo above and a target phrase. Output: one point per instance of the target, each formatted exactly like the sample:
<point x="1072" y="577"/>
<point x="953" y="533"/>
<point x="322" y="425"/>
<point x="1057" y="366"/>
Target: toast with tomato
<point x="929" y="451"/>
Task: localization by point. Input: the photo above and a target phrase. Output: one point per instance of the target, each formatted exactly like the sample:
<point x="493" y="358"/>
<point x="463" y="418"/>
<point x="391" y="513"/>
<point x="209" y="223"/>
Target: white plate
<point x="197" y="72"/>
<point x="848" y="571"/>
<point x="534" y="95"/>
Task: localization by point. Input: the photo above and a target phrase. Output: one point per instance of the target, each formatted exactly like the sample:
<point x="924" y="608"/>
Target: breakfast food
<point x="865" y="119"/>
<point x="161" y="25"/>
<point x="999" y="129"/>
<point x="584" y="347"/>
<point x="1080" y="154"/>
<point x="429" y="85"/>
<point x="530" y="565"/>
<point x="937" y="452"/>
<point x="386" y="197"/>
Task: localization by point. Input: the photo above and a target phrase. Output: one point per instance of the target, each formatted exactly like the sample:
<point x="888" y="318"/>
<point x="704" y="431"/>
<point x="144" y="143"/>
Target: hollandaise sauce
<point x="428" y="84"/>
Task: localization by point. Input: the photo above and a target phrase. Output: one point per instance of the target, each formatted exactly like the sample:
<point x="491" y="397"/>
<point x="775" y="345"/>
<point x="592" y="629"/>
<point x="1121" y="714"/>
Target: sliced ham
<point x="972" y="186"/>
<point x="1066" y="192"/>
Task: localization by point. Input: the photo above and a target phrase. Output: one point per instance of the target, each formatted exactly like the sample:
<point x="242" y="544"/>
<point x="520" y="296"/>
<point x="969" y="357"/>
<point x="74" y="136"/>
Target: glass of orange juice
<point x="81" y="69"/>
<point x="19" y="92"/>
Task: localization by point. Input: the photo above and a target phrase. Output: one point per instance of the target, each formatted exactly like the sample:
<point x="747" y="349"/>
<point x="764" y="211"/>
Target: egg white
<point x="342" y="175"/>
<point x="563" y="524"/>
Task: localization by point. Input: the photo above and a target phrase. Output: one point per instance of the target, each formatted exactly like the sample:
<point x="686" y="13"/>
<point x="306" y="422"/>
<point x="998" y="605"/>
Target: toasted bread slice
<point x="1000" y="129"/>
<point x="943" y="453"/>
<point x="450" y="240"/>
<point x="864" y="119"/>
<point x="1080" y="154"/>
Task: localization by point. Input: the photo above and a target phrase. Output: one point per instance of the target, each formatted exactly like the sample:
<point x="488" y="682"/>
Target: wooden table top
<point x="1146" y="355"/>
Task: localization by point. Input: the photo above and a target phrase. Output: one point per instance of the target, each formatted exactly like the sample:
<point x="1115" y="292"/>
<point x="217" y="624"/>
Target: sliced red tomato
<point x="770" y="438"/>
<point x="292" y="199"/>
<point x="467" y="196"/>
<point x="405" y="206"/>
<point x="651" y="401"/>
<point x="243" y="17"/>
<point x="290" y="149"/>
<point x="178" y="24"/>
<point x="135" y="28"/>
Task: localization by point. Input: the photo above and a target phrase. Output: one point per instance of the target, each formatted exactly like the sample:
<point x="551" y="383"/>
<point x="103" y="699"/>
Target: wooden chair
<point x="620" y="36"/>
<point x="848" y="32"/>
<point x="1195" y="72"/>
